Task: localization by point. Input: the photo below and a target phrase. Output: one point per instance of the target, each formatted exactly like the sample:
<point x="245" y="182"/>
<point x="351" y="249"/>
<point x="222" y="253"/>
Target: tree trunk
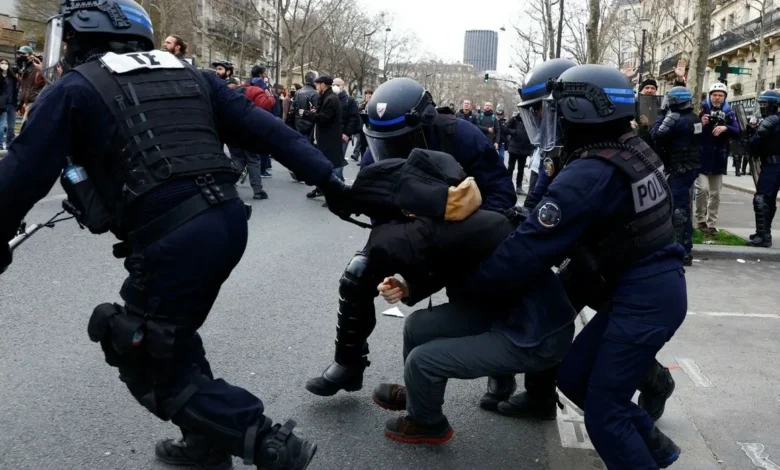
<point x="594" y="12"/>
<point x="560" y="30"/>
<point x="701" y="51"/>
<point x="550" y="31"/>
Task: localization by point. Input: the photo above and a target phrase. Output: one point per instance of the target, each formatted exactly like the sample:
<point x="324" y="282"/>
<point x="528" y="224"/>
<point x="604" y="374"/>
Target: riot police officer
<point x="401" y="116"/>
<point x="630" y="239"/>
<point x="677" y="136"/>
<point x="766" y="145"/>
<point x="144" y="131"/>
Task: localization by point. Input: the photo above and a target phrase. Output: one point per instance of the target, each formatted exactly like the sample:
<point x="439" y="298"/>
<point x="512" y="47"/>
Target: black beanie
<point x="648" y="81"/>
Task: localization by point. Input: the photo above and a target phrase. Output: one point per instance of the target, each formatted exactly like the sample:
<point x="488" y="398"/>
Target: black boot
<point x="540" y="399"/>
<point x="277" y="448"/>
<point x="738" y="165"/>
<point x="313" y="193"/>
<point x="764" y="213"/>
<point x="664" y="451"/>
<point x="338" y="377"/>
<point x="656" y="387"/>
<point x="498" y="389"/>
<point x="192" y="451"/>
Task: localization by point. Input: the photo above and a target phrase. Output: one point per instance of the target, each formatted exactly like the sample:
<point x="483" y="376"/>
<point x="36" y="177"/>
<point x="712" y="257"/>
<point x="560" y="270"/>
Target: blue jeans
<point x="501" y="149"/>
<point x="3" y="126"/>
<point x="681" y="199"/>
<point x="265" y="162"/>
<point x="339" y="172"/>
<point x="10" y="120"/>
<point x="612" y="354"/>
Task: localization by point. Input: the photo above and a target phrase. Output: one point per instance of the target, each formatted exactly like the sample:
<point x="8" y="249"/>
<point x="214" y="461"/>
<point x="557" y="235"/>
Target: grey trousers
<point x="250" y="161"/>
<point x="454" y="341"/>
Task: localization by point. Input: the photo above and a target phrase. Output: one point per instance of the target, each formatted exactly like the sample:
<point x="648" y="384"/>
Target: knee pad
<point x="678" y="218"/>
<point x="118" y="333"/>
<point x="355" y="282"/>
<point x="761" y="205"/>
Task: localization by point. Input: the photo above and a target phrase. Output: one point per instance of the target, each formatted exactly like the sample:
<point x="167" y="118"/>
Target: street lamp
<point x="387" y="33"/>
<point x="645" y="26"/>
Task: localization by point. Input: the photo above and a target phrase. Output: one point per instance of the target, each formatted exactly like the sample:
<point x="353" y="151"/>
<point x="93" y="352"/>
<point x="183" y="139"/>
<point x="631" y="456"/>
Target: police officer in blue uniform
<point x="677" y="137"/>
<point x="401" y="116"/>
<point x="766" y="145"/>
<point x="612" y="201"/>
<point x="144" y="131"/>
<point x="539" y="400"/>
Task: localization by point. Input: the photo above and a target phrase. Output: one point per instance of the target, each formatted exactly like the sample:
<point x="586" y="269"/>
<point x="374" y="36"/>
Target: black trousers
<point x="519" y="160"/>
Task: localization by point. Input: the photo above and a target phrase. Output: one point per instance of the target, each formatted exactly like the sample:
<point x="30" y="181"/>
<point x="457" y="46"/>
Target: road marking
<point x="393" y="312"/>
<point x="54" y="198"/>
<point x="571" y="426"/>
<point x="736" y="314"/>
<point x="755" y="451"/>
<point x="692" y="370"/>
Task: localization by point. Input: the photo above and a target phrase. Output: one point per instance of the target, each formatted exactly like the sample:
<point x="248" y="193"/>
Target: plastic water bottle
<point x="75" y="173"/>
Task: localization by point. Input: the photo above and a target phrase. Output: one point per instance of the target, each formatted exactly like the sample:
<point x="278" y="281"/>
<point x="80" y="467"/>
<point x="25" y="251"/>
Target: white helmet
<point x="717" y="86"/>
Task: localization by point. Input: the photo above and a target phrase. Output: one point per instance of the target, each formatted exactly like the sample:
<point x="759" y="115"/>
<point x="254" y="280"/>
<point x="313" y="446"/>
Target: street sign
<point x="741" y="71"/>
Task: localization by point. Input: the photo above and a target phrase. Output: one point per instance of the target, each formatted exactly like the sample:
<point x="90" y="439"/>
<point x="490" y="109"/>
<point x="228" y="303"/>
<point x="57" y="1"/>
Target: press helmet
<point x="678" y="99"/>
<point x="717" y="86"/>
<point x="396" y="117"/>
<point x="768" y="103"/>
<point x="93" y="28"/>
<point x="224" y="64"/>
<point x="594" y="94"/>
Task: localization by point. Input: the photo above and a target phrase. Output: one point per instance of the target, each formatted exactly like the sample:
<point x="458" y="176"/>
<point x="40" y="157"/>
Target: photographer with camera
<point x="719" y="125"/>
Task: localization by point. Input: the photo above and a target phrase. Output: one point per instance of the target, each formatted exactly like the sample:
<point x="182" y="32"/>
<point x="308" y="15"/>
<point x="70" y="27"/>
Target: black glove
<point x="5" y="256"/>
<point x="517" y="215"/>
<point x="336" y="195"/>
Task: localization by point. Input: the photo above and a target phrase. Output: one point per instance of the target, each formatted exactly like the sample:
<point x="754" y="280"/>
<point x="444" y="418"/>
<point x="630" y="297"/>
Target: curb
<point x="720" y="252"/>
<point x="742" y="189"/>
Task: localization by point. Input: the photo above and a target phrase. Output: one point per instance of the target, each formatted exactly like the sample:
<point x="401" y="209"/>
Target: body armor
<point x="683" y="150"/>
<point x="444" y="126"/>
<point x="164" y="131"/>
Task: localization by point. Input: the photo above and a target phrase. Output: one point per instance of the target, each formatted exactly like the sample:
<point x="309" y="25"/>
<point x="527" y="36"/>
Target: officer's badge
<point x="381" y="108"/>
<point x="549" y="215"/>
<point x="549" y="166"/>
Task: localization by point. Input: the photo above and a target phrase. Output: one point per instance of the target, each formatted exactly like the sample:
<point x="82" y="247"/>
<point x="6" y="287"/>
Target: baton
<point x="27" y="232"/>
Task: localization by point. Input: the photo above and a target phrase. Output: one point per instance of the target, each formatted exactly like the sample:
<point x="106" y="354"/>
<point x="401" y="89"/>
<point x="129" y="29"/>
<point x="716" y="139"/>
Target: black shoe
<point x="405" y="429"/>
<point x="688" y="259"/>
<point x="261" y="195"/>
<point x="337" y="377"/>
<point x="313" y="193"/>
<point x="761" y="241"/>
<point x="519" y="191"/>
<point x="192" y="451"/>
<point x="663" y="450"/>
<point x="280" y="449"/>
<point x="498" y="389"/>
<point x="523" y="406"/>
<point x="654" y="392"/>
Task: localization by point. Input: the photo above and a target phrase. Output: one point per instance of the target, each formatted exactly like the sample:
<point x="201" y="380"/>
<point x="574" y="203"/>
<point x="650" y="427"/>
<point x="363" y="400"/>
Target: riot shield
<point x="739" y="110"/>
<point x="648" y="106"/>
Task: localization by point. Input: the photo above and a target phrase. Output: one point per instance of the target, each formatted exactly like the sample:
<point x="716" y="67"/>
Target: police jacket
<point x="432" y="255"/>
<point x="485" y="122"/>
<point x="714" y="149"/>
<point x="678" y="141"/>
<point x="765" y="144"/>
<point x="478" y="158"/>
<point x="350" y="114"/>
<point x="328" y="130"/>
<point x="305" y="99"/>
<point x="518" y="137"/>
<point x="471" y="116"/>
<point x="71" y="119"/>
<point x="594" y="203"/>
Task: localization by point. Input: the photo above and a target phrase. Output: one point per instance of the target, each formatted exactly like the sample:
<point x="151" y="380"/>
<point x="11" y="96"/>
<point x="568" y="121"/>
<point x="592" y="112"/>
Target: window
<point x="731" y="20"/>
<point x="723" y="24"/>
<point x="685" y="21"/>
<point x="712" y="29"/>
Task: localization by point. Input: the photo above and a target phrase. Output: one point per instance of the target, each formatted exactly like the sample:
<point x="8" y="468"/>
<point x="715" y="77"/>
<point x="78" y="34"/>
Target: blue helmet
<point x="677" y="99"/>
<point x="534" y="87"/>
<point x="594" y="94"/>
<point x="768" y="102"/>
<point x="92" y="27"/>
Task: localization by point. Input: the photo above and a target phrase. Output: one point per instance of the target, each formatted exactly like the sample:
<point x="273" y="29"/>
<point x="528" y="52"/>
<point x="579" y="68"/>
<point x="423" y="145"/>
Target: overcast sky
<point x="441" y="24"/>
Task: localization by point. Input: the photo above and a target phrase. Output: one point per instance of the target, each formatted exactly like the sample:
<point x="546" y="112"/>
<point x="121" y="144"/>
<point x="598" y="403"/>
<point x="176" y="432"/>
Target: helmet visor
<point x="54" y="48"/>
<point x="399" y="146"/>
<point x="530" y="117"/>
<point x="549" y="128"/>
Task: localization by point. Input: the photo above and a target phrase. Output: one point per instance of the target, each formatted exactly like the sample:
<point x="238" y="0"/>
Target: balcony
<point x="745" y="33"/>
<point x="668" y="64"/>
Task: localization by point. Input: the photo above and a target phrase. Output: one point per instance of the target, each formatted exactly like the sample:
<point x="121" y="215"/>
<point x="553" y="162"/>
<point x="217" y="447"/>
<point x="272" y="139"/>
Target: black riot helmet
<point x="768" y="103"/>
<point x="92" y="28"/>
<point x="678" y="99"/>
<point x="396" y="117"/>
<point x="536" y="98"/>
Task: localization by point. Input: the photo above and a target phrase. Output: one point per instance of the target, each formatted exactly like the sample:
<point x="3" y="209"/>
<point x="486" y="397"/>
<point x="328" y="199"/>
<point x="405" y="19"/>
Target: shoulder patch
<point x="549" y="215"/>
<point x="549" y="166"/>
<point x="152" y="60"/>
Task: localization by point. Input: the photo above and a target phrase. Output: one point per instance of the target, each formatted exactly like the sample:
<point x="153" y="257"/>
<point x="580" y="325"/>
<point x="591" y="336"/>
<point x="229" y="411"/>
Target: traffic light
<point x="487" y="77"/>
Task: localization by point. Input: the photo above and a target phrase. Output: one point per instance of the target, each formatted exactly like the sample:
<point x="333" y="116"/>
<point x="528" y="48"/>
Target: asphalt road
<point x="62" y="407"/>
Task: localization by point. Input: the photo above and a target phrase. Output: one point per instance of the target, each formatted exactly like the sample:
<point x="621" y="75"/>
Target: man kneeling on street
<point x="528" y="332"/>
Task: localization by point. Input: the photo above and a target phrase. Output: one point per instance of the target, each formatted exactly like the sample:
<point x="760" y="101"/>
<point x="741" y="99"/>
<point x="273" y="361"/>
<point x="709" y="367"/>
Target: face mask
<point x="3" y="67"/>
<point x="336" y="89"/>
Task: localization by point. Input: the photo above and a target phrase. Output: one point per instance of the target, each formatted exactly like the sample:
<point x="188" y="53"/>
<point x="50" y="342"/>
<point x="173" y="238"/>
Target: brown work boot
<point x="390" y="396"/>
<point x="404" y="429"/>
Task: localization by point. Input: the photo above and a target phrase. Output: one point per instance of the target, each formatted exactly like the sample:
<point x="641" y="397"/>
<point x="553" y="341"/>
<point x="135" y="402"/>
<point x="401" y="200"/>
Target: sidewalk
<point x="746" y="253"/>
<point x="740" y="183"/>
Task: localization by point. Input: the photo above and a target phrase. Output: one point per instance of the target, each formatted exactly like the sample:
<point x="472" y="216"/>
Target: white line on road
<point x="736" y="314"/>
<point x="755" y="451"/>
<point x="694" y="373"/>
<point x="571" y="426"/>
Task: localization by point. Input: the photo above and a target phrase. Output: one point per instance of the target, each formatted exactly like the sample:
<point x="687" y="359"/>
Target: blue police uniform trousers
<point x="608" y="359"/>
<point x="681" y="185"/>
<point x="769" y="183"/>
<point x="186" y="269"/>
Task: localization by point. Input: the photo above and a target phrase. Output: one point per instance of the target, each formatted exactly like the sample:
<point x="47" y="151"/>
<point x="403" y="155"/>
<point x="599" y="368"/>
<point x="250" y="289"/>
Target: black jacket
<point x="328" y="130"/>
<point x="486" y="121"/>
<point x="470" y="117"/>
<point x="518" y="137"/>
<point x="502" y="135"/>
<point x="304" y="99"/>
<point x="350" y="114"/>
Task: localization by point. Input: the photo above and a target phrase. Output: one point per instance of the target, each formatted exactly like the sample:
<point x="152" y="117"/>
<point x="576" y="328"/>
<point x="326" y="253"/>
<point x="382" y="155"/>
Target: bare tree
<point x="701" y="48"/>
<point x="540" y="34"/>
<point x="592" y="31"/>
<point x="583" y="44"/>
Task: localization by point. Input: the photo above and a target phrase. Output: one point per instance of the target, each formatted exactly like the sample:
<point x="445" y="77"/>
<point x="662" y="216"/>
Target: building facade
<point x="480" y="49"/>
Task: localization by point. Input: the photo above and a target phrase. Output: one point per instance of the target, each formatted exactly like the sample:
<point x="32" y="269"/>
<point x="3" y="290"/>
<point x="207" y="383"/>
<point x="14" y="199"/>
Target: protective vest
<point x="444" y="128"/>
<point x="684" y="151"/>
<point x="648" y="227"/>
<point x="769" y="143"/>
<point x="164" y="128"/>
